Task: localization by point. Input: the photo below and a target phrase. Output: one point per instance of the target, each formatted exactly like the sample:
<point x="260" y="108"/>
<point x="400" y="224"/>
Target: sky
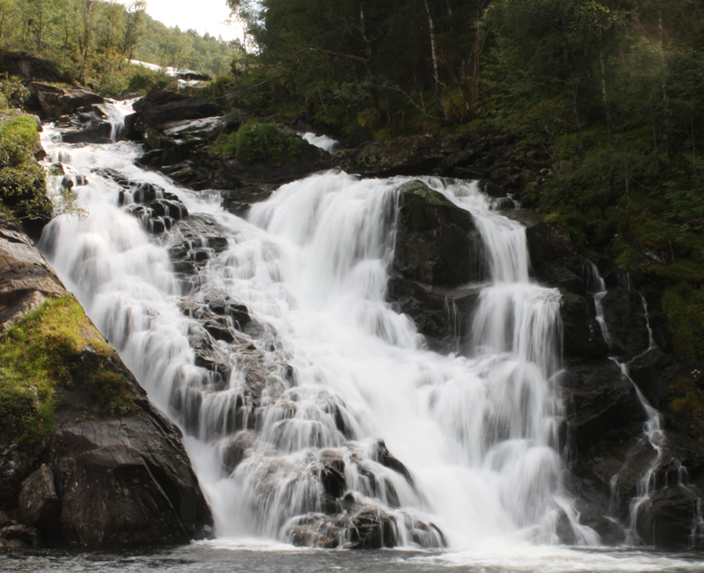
<point x="202" y="15"/>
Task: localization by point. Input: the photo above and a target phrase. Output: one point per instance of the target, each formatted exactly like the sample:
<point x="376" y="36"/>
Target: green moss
<point x="43" y="351"/>
<point x="111" y="390"/>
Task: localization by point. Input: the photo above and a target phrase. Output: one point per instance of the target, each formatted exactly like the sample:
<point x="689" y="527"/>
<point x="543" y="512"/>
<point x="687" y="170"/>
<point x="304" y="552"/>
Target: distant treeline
<point x="94" y="38"/>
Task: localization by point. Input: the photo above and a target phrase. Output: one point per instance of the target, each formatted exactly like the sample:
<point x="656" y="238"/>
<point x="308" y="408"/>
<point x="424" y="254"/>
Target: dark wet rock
<point x="581" y="333"/>
<point x="417" y="155"/>
<point x="237" y="449"/>
<point x="56" y="101"/>
<point x="158" y="108"/>
<point x="39" y="506"/>
<point x="437" y="243"/>
<point x="332" y="473"/>
<point x="19" y="536"/>
<point x="593" y="505"/>
<point x="601" y="404"/>
<point x="547" y="243"/>
<point x="195" y="241"/>
<point x="667" y="518"/>
<point x="360" y="526"/>
<point x="71" y="181"/>
<point x="316" y="531"/>
<point x="223" y="304"/>
<point x="383" y="456"/>
<point x="85" y="127"/>
<point x="239" y="201"/>
<point x="565" y="275"/>
<point x="625" y="319"/>
<point x="155" y="207"/>
<point x="443" y="316"/>
<point x="371" y="529"/>
<point x="276" y="171"/>
<point x="650" y="372"/>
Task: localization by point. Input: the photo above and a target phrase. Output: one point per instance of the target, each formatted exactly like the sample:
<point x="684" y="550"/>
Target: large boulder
<point x="437" y="242"/>
<point x="107" y="469"/>
<point x="158" y="108"/>
<point x="57" y="101"/>
<point x="85" y="127"/>
<point x="25" y="278"/>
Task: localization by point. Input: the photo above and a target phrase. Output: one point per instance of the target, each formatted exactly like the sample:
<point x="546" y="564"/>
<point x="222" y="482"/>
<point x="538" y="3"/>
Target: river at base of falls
<point x="256" y="556"/>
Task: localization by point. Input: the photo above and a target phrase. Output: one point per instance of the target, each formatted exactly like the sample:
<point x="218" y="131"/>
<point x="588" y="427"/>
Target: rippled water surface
<point x="259" y="557"/>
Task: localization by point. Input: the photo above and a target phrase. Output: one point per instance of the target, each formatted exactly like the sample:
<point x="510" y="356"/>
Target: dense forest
<point x="608" y="95"/>
<point x="96" y="38"/>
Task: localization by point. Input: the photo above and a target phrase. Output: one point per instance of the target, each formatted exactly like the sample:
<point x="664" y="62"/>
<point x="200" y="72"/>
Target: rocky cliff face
<point x="85" y="459"/>
<point x="636" y="476"/>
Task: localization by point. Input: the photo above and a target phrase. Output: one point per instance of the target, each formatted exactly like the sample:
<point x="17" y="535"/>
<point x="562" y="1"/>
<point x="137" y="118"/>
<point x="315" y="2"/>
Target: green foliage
<point x="22" y="180"/>
<point x="97" y="38"/>
<point x="43" y="350"/>
<point x="257" y="142"/>
<point x="684" y="306"/>
<point x="144" y="80"/>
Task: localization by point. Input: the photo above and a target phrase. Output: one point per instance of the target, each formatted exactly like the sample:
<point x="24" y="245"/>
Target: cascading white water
<point x="653" y="431"/>
<point x="333" y="367"/>
<point x="322" y="141"/>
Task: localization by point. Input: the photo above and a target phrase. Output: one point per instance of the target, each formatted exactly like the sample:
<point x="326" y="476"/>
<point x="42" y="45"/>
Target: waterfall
<point x="653" y="431"/>
<point x="317" y="407"/>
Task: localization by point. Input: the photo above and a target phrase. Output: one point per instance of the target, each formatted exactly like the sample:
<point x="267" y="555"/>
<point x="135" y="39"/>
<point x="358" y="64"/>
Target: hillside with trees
<point x="604" y="96"/>
<point x="96" y="39"/>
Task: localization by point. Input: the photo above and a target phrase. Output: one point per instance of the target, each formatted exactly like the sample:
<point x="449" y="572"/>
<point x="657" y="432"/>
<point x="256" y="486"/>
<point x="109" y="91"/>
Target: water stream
<point x="327" y="383"/>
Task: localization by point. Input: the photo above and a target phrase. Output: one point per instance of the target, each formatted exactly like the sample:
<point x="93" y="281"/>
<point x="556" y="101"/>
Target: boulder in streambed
<point x="161" y="107"/>
<point x="56" y="101"/>
<point x="437" y="242"/>
<point x="84" y="457"/>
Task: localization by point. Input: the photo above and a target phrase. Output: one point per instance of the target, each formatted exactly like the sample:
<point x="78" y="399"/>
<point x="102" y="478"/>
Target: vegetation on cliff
<point x="43" y="350"/>
<point x="22" y="180"/>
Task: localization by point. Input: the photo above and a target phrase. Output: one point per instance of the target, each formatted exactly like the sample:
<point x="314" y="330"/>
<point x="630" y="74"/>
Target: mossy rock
<point x="46" y="350"/>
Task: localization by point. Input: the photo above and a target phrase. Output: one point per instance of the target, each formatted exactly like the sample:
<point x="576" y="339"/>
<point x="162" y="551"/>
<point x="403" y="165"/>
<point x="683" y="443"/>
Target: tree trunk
<point x="605" y="93"/>
<point x="575" y="110"/>
<point x="664" y="141"/>
<point x="433" y="48"/>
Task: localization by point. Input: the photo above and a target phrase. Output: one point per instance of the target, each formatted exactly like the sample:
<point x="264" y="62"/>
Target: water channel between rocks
<point x="313" y="411"/>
